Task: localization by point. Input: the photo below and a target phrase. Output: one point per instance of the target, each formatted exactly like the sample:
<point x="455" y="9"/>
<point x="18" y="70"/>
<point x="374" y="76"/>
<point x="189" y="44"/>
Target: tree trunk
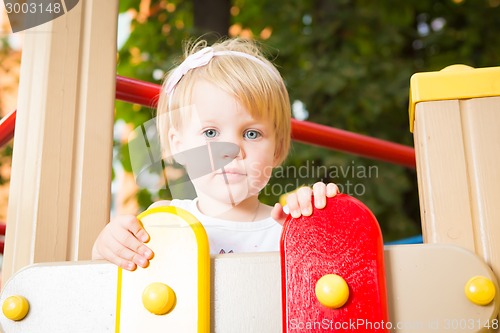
<point x="212" y="16"/>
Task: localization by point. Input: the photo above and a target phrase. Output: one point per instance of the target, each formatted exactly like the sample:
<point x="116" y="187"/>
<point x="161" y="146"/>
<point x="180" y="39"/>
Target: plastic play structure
<point x="333" y="273"/>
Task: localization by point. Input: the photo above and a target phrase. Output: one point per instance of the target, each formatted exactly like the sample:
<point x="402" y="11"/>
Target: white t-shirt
<point x="229" y="236"/>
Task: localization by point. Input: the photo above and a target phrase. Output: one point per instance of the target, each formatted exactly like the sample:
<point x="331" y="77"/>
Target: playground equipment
<point x="342" y="241"/>
<point x="447" y="284"/>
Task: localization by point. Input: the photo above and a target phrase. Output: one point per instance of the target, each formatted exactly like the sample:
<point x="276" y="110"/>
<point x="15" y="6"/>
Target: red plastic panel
<point x="344" y="238"/>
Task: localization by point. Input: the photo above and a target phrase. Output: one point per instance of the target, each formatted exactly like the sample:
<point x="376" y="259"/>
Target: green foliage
<point x="5" y="159"/>
<point x="350" y="63"/>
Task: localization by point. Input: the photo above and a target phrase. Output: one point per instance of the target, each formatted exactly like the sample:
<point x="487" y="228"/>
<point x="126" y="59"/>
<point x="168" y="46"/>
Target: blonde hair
<point x="257" y="86"/>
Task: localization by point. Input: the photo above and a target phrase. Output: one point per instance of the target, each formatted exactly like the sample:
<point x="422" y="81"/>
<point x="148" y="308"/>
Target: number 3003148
<point x="33" y="8"/>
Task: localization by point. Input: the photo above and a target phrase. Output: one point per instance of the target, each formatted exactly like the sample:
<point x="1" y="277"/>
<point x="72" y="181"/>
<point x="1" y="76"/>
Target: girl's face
<point x="242" y="145"/>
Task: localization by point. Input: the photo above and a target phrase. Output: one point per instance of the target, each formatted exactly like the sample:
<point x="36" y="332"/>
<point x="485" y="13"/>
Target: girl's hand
<point x="299" y="202"/>
<point x="121" y="242"/>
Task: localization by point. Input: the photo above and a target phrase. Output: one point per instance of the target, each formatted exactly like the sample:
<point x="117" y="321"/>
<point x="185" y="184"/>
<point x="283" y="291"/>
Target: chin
<point x="235" y="197"/>
<point x="228" y="193"/>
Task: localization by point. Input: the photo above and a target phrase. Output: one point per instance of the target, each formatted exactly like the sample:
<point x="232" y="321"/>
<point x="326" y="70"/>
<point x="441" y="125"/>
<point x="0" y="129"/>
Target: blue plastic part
<point x="410" y="240"/>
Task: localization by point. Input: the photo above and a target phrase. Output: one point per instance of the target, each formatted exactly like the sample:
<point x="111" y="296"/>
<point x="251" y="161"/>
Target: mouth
<point x="231" y="175"/>
<point x="231" y="172"/>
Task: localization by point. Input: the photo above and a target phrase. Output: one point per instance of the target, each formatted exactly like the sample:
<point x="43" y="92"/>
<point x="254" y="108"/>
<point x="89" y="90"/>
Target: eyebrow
<point x="252" y="122"/>
<point x="208" y="120"/>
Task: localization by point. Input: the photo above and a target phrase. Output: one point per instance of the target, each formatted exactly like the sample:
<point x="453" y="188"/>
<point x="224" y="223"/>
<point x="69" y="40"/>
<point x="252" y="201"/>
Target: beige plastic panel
<point x="247" y="293"/>
<point x="457" y="145"/>
<point x="481" y="127"/>
<point x="425" y="289"/>
<point x="442" y="174"/>
<point x="64" y="297"/>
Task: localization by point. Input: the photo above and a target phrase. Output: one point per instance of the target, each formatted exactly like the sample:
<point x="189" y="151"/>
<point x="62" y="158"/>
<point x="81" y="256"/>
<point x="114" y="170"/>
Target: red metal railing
<point x="6" y="133"/>
<point x="3" y="226"/>
<point x="7" y="125"/>
<point x="349" y="142"/>
<point x="146" y="94"/>
<point x="137" y="91"/>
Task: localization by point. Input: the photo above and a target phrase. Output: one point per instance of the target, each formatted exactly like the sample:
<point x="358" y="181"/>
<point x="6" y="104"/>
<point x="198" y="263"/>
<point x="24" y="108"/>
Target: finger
<point x="278" y="214"/>
<point x="146" y="252"/>
<point x="293" y="204"/>
<point x="125" y="264"/>
<point x="304" y="198"/>
<point x="112" y="257"/>
<point x="130" y="248"/>
<point x="332" y="190"/>
<point x="135" y="226"/>
<point x="128" y="240"/>
<point x="319" y="190"/>
<point x="127" y="254"/>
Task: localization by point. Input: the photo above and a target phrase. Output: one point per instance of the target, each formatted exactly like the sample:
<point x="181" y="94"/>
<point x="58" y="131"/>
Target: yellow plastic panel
<point x="181" y="262"/>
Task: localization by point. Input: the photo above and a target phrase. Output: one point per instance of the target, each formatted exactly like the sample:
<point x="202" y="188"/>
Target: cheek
<point x="268" y="170"/>
<point x="193" y="142"/>
<point x="260" y="171"/>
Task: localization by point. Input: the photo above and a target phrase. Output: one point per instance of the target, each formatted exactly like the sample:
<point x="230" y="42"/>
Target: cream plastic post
<point x="455" y="114"/>
<point x="60" y="186"/>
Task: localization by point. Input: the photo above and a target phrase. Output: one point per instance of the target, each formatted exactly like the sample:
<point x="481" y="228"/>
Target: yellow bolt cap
<point x="15" y="307"/>
<point x="457" y="68"/>
<point x="480" y="290"/>
<point x="158" y="298"/>
<point x="332" y="291"/>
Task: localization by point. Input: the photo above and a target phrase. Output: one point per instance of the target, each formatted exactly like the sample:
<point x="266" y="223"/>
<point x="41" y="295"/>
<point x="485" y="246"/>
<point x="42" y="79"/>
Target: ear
<point x="175" y="143"/>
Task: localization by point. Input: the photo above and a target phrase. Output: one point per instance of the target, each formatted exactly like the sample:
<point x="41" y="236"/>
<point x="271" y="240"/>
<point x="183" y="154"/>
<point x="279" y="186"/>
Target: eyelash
<point x="217" y="133"/>
<point x="210" y="129"/>
<point x="257" y="132"/>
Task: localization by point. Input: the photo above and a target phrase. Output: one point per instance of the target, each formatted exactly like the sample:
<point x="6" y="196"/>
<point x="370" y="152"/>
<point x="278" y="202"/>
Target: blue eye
<point x="210" y="133"/>
<point x="252" y="135"/>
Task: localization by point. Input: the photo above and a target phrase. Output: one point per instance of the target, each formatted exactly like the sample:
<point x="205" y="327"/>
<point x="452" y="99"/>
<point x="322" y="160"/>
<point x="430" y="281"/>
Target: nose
<point x="205" y="159"/>
<point x="222" y="153"/>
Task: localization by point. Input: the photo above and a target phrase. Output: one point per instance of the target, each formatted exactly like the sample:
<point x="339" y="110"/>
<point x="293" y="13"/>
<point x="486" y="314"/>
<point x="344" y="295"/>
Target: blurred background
<point x="347" y="64"/>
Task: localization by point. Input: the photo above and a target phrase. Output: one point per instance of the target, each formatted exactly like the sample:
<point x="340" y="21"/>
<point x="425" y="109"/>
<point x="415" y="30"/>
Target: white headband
<point x="201" y="58"/>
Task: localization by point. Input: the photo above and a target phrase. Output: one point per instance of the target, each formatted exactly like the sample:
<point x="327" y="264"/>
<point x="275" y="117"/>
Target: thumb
<point x="278" y="214"/>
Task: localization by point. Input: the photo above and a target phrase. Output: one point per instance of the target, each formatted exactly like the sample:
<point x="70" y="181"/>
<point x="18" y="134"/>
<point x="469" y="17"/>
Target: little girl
<point x="233" y="102"/>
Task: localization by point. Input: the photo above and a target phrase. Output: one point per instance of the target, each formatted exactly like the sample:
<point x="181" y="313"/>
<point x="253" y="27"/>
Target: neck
<point x="244" y="211"/>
